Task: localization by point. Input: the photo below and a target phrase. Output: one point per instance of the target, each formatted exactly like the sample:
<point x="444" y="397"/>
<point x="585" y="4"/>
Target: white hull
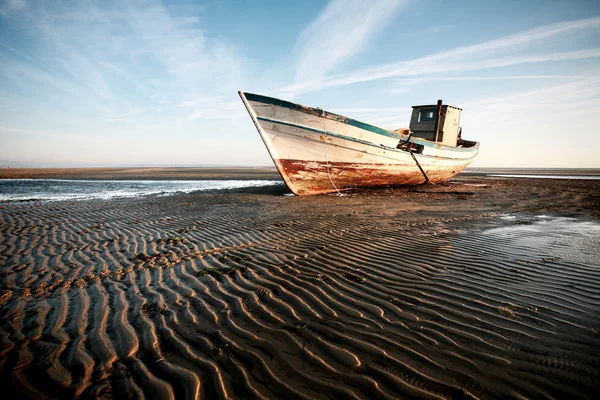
<point x="320" y="152"/>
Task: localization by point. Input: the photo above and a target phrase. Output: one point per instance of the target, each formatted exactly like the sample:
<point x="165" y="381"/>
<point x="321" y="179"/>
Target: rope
<point x="326" y="157"/>
<point x="415" y="158"/>
<point x="419" y="165"/>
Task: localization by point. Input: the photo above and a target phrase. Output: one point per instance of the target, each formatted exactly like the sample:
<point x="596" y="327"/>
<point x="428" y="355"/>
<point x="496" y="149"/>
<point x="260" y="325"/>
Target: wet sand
<point x="482" y="288"/>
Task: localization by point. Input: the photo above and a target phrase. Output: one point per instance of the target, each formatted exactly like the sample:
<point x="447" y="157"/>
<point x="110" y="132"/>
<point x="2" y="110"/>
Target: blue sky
<point x="102" y="83"/>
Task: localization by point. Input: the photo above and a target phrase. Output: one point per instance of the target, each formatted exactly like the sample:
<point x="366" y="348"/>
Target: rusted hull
<point x="319" y="152"/>
<point x="313" y="177"/>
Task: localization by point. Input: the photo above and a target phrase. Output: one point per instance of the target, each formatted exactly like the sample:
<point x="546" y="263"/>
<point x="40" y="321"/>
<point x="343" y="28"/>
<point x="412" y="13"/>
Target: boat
<point x="318" y="152"/>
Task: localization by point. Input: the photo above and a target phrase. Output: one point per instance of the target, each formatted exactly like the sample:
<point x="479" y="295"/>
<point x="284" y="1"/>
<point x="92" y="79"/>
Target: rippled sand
<point x="480" y="289"/>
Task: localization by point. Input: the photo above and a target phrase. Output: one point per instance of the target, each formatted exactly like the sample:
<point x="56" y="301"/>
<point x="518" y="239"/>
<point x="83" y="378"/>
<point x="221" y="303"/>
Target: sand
<point x="483" y="288"/>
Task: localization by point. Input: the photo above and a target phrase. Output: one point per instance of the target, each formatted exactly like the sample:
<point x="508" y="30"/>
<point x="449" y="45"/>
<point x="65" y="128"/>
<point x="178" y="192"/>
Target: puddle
<point x="586" y="177"/>
<point x="483" y="185"/>
<point x="562" y="238"/>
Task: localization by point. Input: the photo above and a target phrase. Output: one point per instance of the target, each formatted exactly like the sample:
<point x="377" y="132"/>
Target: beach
<point x="485" y="287"/>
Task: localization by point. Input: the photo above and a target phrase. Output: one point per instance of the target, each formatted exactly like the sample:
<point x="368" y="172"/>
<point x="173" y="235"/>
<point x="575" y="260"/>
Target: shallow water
<point x="586" y="177"/>
<point x="552" y="238"/>
<point x="59" y="189"/>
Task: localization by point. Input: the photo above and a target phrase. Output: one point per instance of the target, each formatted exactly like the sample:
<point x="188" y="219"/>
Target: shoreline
<point x="483" y="288"/>
<point x="230" y="173"/>
<point x="175" y="173"/>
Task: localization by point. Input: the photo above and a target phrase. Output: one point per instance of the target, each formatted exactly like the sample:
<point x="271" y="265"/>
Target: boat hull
<point x="317" y="152"/>
<point x="318" y="177"/>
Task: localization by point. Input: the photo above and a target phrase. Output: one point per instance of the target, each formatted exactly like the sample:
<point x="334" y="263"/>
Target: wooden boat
<point x="316" y="151"/>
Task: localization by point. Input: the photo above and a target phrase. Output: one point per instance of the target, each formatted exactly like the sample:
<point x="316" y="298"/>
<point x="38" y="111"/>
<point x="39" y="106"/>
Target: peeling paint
<point x="311" y="177"/>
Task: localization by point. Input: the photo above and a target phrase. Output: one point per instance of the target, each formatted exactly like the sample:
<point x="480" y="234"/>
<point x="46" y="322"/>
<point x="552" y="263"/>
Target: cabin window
<point x="427" y="115"/>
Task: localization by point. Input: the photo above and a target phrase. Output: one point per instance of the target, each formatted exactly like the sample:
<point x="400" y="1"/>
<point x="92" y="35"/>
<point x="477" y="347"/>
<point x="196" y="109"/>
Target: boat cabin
<point x="438" y="123"/>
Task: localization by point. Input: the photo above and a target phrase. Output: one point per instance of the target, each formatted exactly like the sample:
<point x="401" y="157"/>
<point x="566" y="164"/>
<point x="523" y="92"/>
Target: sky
<point x="154" y="83"/>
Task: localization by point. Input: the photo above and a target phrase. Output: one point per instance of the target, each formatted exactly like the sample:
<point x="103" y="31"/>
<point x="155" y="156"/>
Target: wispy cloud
<point x="8" y="6"/>
<point x="468" y="58"/>
<point x="58" y="135"/>
<point x="393" y="117"/>
<point x="122" y="58"/>
<point x="481" y="78"/>
<point x="582" y="95"/>
<point x="342" y="30"/>
<point x="532" y="128"/>
<point x="213" y="107"/>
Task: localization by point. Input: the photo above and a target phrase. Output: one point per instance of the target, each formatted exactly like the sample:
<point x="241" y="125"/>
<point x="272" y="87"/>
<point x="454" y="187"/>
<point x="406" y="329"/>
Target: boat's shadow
<point x="274" y="190"/>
